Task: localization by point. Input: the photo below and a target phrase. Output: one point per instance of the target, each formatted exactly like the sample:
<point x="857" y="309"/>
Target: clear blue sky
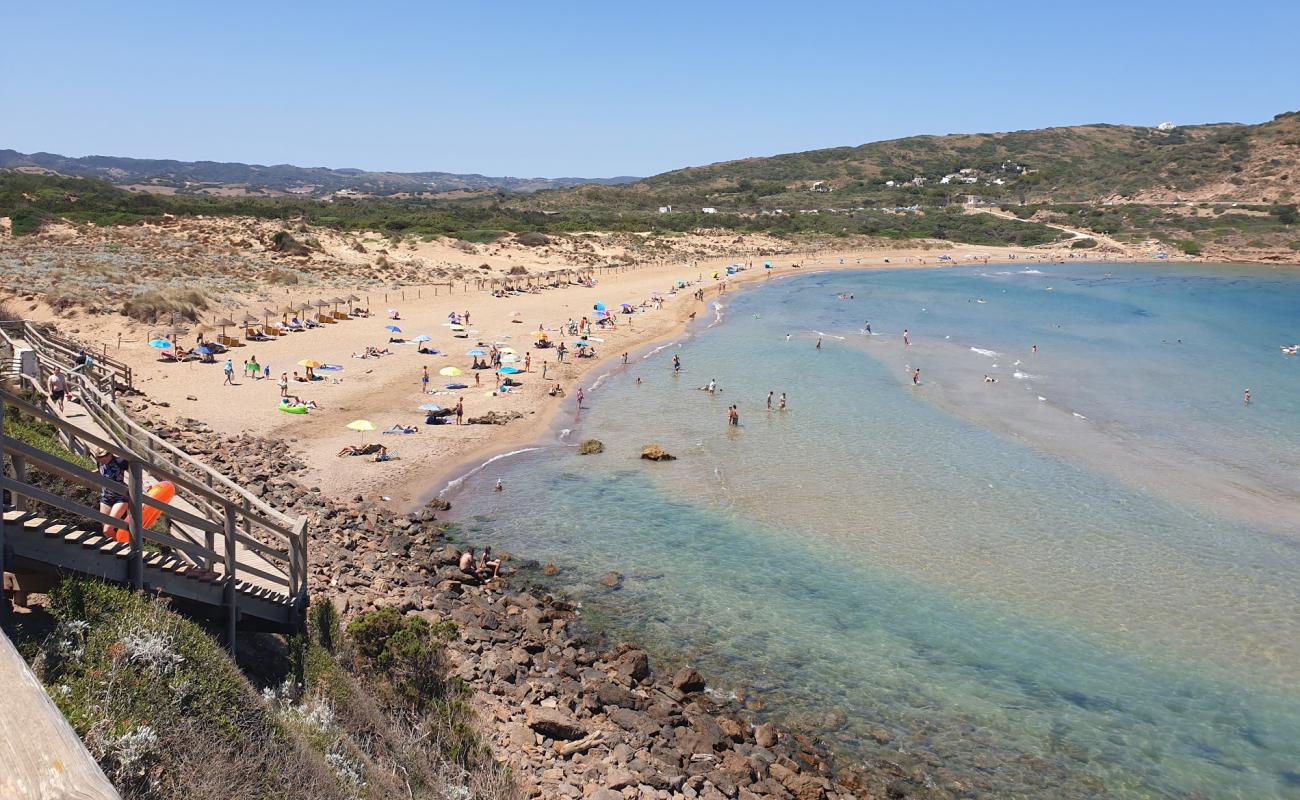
<point x="599" y="89"/>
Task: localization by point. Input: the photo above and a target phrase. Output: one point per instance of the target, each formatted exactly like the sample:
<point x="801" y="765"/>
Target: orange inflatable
<point x="163" y="492"/>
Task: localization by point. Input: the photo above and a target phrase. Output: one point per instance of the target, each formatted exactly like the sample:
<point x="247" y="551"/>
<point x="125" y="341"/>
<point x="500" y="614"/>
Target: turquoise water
<point x="1089" y="594"/>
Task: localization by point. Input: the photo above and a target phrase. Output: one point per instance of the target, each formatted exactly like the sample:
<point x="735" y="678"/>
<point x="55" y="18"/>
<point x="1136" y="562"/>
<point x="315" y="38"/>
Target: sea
<point x="1064" y="562"/>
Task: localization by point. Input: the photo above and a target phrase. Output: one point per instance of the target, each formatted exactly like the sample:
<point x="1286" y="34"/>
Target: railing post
<point x="231" y="597"/>
<point x="20" y="475"/>
<point x="136" y="562"/>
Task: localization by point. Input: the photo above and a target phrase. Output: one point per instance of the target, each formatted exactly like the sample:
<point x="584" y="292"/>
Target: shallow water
<point x="1091" y="594"/>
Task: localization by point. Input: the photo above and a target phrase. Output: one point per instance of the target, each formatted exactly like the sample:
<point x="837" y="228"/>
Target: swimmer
<point x="990" y="379"/>
<point x="500" y="487"/>
<point x="1033" y="348"/>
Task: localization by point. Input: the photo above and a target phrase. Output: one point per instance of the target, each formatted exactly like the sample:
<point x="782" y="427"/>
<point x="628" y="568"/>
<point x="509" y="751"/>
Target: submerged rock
<point x="591" y="447"/>
<point x="653" y="452"/>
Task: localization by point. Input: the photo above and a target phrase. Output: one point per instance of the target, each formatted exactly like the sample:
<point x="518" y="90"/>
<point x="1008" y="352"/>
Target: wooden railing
<point x="41" y="755"/>
<point x="108" y="372"/>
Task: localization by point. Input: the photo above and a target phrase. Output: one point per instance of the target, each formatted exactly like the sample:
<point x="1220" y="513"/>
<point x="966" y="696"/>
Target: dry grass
<point x="166" y="304"/>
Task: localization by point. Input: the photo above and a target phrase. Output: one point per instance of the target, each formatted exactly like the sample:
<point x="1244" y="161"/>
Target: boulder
<point x="633" y="666"/>
<point x="554" y="724"/>
<point x="591" y="447"/>
<point x="765" y="735"/>
<point x="653" y="452"/>
<point x="687" y="680"/>
<point x="612" y="580"/>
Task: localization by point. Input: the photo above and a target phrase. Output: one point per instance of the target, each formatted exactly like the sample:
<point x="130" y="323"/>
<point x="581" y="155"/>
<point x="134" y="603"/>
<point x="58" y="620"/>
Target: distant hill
<point x="213" y="177"/>
<point x="1087" y="163"/>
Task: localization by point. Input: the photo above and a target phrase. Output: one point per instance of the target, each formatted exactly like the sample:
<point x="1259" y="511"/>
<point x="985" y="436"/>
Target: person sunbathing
<point x="363" y="450"/>
<point x="398" y="428"/>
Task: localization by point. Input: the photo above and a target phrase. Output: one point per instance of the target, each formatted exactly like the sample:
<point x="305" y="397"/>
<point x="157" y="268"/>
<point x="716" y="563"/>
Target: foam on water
<point x="1100" y="609"/>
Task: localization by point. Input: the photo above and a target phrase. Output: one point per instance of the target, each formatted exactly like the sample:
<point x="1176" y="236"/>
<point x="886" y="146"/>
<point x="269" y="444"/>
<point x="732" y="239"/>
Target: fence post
<point x="20" y="475"/>
<point x="231" y="596"/>
<point x="135" y="569"/>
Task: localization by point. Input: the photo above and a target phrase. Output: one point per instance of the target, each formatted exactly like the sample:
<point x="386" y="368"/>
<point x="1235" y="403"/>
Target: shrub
<point x="281" y="277"/>
<point x="153" y="306"/>
<point x="533" y="239"/>
<point x="26" y="220"/>
<point x="283" y="242"/>
<point x="1083" y="244"/>
<point x="1190" y="247"/>
<point x="405" y="651"/>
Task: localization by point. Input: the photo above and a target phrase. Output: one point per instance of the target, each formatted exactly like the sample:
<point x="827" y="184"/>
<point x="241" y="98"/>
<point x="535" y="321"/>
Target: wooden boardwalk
<point x="222" y="551"/>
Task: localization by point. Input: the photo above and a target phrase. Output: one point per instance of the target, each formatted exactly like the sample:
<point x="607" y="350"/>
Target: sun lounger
<point x="229" y="341"/>
<point x="271" y="330"/>
<point x="323" y="318"/>
<point x="341" y="315"/>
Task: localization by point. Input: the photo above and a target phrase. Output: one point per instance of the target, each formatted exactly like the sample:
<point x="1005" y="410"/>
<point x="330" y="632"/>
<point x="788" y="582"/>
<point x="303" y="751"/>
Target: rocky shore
<point x="573" y="715"/>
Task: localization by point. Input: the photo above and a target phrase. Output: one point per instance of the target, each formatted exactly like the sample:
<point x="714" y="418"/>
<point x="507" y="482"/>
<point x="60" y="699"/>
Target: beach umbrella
<point x="249" y="318"/>
<point x="506" y="350"/>
<point x="450" y="372"/>
<point x="475" y="352"/>
<point x="352" y="298"/>
<point x="599" y="307"/>
<point x="203" y="351"/>
<point x="510" y="370"/>
<point x="287" y="309"/>
<point x="457" y="327"/>
<point x="392" y="328"/>
<point x="310" y="363"/>
<point x="203" y="329"/>
<point x="430" y="407"/>
<point x="362" y="425"/>
<point x="582" y="343"/>
<point x="539" y="334"/>
<point x="627" y="305"/>
<point x="161" y="344"/>
<point x="420" y="338"/>
<point x="509" y="358"/>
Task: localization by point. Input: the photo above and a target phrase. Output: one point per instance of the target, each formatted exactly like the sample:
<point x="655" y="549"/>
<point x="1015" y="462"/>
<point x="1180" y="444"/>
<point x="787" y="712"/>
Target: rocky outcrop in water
<point x="653" y="452"/>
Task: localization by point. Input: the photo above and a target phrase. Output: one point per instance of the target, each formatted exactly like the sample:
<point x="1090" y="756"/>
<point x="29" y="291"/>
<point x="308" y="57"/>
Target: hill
<point x="1224" y="162"/>
<point x="214" y="177"/>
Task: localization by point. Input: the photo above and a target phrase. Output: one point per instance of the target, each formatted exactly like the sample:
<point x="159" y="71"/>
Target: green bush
<point x="1083" y="244"/>
<point x="405" y="651"/>
<point x="1190" y="247"/>
<point x="27" y="220"/>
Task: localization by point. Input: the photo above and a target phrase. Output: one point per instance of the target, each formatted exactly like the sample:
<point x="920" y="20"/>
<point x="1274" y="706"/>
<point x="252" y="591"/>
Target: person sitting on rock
<point x="468" y="567"/>
<point x="488" y="567"/>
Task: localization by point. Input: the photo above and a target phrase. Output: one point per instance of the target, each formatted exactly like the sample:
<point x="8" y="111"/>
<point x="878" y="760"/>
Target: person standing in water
<point x="769" y="401"/>
<point x="782" y="405"/>
<point x="733" y="417"/>
<point x="819" y="342"/>
<point x="1246" y="397"/>
<point x="1033" y="348"/>
<point x="867" y="326"/>
<point x="677" y="363"/>
<point x="579" y="395"/>
<point x="905" y="342"/>
<point x="916" y="377"/>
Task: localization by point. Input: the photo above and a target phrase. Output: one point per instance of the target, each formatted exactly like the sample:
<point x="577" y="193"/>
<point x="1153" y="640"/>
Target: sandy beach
<point x="386" y="390"/>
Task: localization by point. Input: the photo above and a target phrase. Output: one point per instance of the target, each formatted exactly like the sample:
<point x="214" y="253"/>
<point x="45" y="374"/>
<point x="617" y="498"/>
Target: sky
<point x="585" y="89"/>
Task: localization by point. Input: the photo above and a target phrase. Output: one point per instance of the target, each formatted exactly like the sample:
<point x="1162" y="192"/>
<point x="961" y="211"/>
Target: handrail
<point x="217" y="498"/>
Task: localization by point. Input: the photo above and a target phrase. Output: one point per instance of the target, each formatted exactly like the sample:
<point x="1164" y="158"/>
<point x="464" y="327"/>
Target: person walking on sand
<point x="424" y="380"/>
<point x="528" y="362"/>
<point x="905" y="342"/>
<point x="476" y="379"/>
<point x="284" y="384"/>
<point x="229" y="369"/>
<point x="545" y="364"/>
<point x="460" y="409"/>
<point x="916" y="377"/>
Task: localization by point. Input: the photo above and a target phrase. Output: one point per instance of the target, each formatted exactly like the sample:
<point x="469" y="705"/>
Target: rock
<point x="550" y="569"/>
<point x="687" y="680"/>
<point x="633" y="666"/>
<point x="612" y="579"/>
<point x="605" y="794"/>
<point x="529" y="239"/>
<point x="653" y="452"/>
<point x="803" y="787"/>
<point x="552" y="723"/>
<point x="765" y="735"/>
<point x="520" y="735"/>
<point x="438" y="504"/>
<point x="591" y="447"/>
